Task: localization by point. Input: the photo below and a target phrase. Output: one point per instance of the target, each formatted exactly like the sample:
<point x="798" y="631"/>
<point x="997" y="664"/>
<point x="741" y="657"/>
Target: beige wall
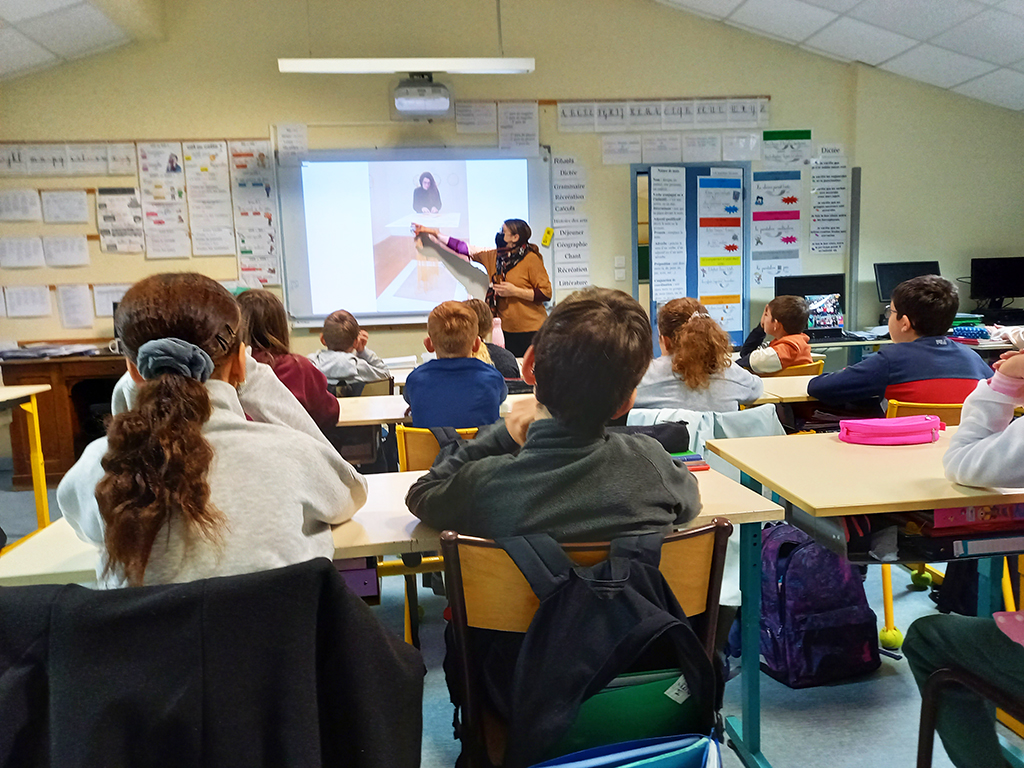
<point x="941" y="172"/>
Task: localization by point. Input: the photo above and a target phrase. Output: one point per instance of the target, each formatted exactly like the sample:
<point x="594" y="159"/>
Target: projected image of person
<point x="426" y="198"/>
<point x="519" y="282"/>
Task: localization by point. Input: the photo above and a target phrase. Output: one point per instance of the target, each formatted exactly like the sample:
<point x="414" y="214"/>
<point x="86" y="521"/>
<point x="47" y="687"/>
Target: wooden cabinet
<point x="70" y="414"/>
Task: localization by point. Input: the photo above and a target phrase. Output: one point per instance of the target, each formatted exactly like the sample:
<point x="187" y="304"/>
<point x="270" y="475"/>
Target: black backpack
<point x="594" y="624"/>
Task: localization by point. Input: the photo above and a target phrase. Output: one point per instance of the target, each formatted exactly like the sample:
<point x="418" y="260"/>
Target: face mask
<point x="499" y="240"/>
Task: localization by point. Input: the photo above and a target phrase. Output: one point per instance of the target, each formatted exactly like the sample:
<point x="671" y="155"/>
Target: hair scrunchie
<point x="173" y="356"/>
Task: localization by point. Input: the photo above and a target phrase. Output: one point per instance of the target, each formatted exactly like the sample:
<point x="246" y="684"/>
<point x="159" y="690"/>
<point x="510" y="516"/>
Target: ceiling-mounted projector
<point x="418" y="97"/>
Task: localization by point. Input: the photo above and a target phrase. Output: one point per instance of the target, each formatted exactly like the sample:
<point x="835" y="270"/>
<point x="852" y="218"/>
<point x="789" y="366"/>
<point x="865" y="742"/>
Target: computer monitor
<point x="890" y="274"/>
<point x="993" y="280"/>
<point x="826" y="299"/>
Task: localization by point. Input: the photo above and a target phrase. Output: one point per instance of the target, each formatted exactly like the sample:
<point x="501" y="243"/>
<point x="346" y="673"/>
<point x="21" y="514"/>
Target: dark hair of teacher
<point x="519" y="282"/>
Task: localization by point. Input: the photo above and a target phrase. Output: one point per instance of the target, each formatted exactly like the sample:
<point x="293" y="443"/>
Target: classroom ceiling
<point x="971" y="47"/>
<point x="35" y="34"/>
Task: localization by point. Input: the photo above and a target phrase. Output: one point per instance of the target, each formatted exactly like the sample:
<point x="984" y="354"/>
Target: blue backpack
<point x="816" y="626"/>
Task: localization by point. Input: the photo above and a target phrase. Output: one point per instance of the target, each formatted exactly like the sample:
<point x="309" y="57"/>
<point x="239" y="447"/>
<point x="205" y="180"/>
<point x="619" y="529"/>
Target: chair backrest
<point x="487" y="591"/>
<point x="379" y="387"/>
<point x="948" y="412"/>
<point x="417" y="448"/>
<point x="495" y="595"/>
<point x="804" y="369"/>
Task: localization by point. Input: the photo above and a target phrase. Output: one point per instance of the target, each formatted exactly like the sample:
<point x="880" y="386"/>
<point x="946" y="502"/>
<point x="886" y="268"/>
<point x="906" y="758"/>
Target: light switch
<point x="620" y="262"/>
<point x="620" y="274"/>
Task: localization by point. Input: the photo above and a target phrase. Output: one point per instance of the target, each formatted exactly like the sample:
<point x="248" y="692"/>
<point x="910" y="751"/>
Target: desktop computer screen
<point x="890" y="274"/>
<point x="826" y="299"/>
<point x="993" y="280"/>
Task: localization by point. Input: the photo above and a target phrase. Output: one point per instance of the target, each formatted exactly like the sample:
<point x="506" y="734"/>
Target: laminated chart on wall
<point x="254" y="199"/>
<point x="571" y="244"/>
<point x="830" y="200"/>
<point x="668" y="233"/>
<point x="164" y="203"/>
<point x="210" y="213"/>
<point x="720" y="249"/>
<point x="119" y="220"/>
<point x="776" y="226"/>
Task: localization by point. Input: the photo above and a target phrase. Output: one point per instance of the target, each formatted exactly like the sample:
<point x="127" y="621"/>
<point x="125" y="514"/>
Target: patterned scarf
<point x="506" y="261"/>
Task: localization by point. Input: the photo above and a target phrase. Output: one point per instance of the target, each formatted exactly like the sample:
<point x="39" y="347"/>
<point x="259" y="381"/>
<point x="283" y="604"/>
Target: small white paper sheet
<point x="74" y="303"/>
<point x="20" y="205"/>
<point x="28" y="301"/>
<point x="70" y="251"/>
<point x="104" y="297"/>
<point x="21" y="252"/>
<point x="65" y="207"/>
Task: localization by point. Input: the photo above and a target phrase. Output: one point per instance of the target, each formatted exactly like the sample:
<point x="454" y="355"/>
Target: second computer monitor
<point x="826" y="300"/>
<point x="890" y="274"/>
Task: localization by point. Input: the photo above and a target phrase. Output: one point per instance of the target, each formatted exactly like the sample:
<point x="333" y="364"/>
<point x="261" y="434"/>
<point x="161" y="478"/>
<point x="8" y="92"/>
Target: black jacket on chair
<point x="279" y="668"/>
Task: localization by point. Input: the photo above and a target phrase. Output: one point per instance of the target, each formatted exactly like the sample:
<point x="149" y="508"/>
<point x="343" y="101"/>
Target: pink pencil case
<point x="903" y="430"/>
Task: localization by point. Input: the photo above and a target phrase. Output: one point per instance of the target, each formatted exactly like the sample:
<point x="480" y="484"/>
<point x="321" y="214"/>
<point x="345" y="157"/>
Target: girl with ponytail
<point x="695" y="370"/>
<point x="183" y="487"/>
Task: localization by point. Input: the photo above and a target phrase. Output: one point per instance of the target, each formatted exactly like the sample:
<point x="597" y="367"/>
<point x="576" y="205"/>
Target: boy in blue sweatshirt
<point x="456" y="389"/>
<point x="923" y="365"/>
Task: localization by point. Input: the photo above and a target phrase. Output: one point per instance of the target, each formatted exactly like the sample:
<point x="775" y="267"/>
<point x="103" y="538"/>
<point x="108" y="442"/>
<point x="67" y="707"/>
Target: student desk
<point x="25" y="396"/>
<point x="820" y="476"/>
<point x="787" y="389"/>
<point x="387" y="409"/>
<point x="384" y="526"/>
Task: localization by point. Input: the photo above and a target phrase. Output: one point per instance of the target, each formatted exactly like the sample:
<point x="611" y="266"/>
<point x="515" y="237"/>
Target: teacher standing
<point x="519" y="282"/>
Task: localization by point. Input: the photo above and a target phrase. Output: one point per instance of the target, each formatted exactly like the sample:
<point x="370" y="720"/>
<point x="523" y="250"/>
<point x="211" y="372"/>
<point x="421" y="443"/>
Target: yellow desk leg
<point x="889" y="637"/>
<point x="35" y="455"/>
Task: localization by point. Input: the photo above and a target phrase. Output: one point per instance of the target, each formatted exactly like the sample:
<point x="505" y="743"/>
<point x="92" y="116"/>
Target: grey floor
<point x="867" y="722"/>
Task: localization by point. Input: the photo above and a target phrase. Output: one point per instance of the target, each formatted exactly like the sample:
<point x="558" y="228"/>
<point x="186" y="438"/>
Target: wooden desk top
<point x="826" y="477"/>
<point x="388" y="409"/>
<point x="11" y="396"/>
<point x="384" y="526"/>
<point x="787" y="389"/>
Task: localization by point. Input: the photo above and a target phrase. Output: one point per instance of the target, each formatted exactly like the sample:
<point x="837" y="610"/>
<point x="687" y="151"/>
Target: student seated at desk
<point x="265" y="329"/>
<point x="784" y="319"/>
<point x="184" y="487"/>
<point x="550" y="467"/>
<point x="497" y="356"/>
<point x="987" y="450"/>
<point x="347" y="359"/>
<point x="922" y="366"/>
<point x="695" y="370"/>
<point x="455" y="389"/>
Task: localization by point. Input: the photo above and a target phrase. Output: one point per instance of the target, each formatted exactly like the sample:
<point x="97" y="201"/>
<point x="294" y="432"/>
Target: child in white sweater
<point x="184" y="487"/>
<point x="987" y="450"/>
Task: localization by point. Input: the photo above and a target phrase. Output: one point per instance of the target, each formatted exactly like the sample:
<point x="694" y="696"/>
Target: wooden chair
<point x="948" y="412"/>
<point x="804" y="369"/>
<point x="487" y="591"/>
<point x="417" y="448"/>
<point x="930" y="696"/>
<point x="359" y="446"/>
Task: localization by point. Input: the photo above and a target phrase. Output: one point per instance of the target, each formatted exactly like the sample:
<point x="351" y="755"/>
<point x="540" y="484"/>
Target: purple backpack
<point x="816" y="626"/>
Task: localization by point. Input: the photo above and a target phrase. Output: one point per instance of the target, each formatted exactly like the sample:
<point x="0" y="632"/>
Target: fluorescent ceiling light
<point x="502" y="66"/>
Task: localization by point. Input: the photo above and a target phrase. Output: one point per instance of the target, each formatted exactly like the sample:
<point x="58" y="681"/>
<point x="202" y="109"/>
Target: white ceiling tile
<point x="715" y="9"/>
<point x="787" y="19"/>
<point x="19" y="53"/>
<point x="919" y="19"/>
<point x="1012" y="6"/>
<point x="852" y="39"/>
<point x="991" y="36"/>
<point x="1003" y="87"/>
<point x="839" y="6"/>
<point x="937" y="66"/>
<point x="16" y="10"/>
<point x="74" y="31"/>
